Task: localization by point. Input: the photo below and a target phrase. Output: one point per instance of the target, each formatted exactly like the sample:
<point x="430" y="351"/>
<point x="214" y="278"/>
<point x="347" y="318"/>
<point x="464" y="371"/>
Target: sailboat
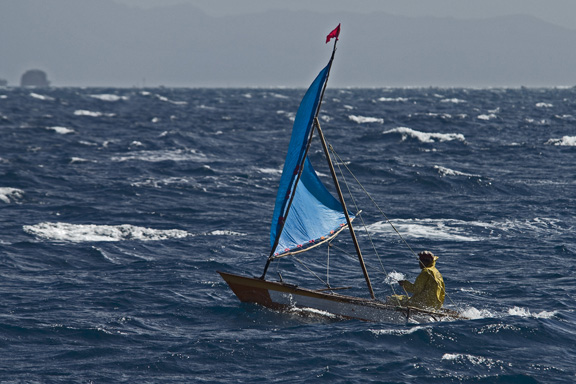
<point x="307" y="215"/>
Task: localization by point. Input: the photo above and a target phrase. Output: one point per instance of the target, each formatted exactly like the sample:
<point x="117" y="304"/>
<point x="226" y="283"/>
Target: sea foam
<point x="109" y="97"/>
<point x="567" y="141"/>
<point x="9" y="195"/>
<point x="425" y="137"/>
<point x="434" y="230"/>
<point x="364" y="119"/>
<point x="156" y="156"/>
<point x="82" y="112"/>
<point x="41" y="97"/>
<point x="78" y="233"/>
<point x="61" y="130"/>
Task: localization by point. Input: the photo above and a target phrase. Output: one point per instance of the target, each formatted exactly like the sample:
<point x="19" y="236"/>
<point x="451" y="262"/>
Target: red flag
<point x="335" y="33"/>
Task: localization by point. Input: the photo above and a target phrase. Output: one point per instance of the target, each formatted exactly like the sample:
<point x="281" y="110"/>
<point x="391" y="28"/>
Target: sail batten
<point x="305" y="212"/>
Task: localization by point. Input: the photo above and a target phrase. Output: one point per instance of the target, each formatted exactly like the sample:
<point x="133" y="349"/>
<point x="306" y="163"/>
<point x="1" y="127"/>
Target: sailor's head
<point x="427" y="258"/>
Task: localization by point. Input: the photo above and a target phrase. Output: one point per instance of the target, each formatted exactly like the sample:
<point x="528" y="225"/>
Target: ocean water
<point x="118" y="206"/>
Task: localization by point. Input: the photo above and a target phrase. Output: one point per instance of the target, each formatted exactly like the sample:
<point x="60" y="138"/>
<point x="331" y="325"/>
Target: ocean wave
<point x="270" y="171"/>
<point x="486" y="117"/>
<point x="425" y="137"/>
<point x="443" y="171"/>
<point x="157" y="156"/>
<point x="525" y="312"/>
<point x="219" y="232"/>
<point x="289" y="115"/>
<point x="439" y="230"/>
<point x="544" y="105"/>
<point x="9" y="195"/>
<point x="41" y="97"/>
<point x="78" y="233"/>
<point x="163" y="98"/>
<point x="109" y="97"/>
<point x="363" y="119"/>
<point x="399" y="332"/>
<point x="567" y="141"/>
<point x="61" y="130"/>
<point x="453" y="101"/>
<point x="168" y="181"/>
<point x="83" y="112"/>
<point x="474" y="360"/>
<point x="394" y="99"/>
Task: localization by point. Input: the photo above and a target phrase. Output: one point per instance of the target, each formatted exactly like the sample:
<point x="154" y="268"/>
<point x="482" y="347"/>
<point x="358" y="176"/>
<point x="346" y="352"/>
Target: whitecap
<point x="363" y="119"/>
<point x="443" y="171"/>
<point x="290" y="115"/>
<point x="393" y="99"/>
<point x="425" y="137"/>
<point x="564" y="117"/>
<point x="224" y="233"/>
<point x="433" y="230"/>
<point x="567" y="141"/>
<point x="544" y="105"/>
<point x="9" y="195"/>
<point x="270" y="171"/>
<point x="78" y="233"/>
<point x="474" y="360"/>
<point x="453" y="100"/>
<point x="487" y="117"/>
<point x="474" y="313"/>
<point x="171" y="101"/>
<point x="41" y="97"/>
<point x="525" y="312"/>
<point x="82" y="112"/>
<point x="398" y="332"/>
<point x="109" y="97"/>
<point x="279" y="96"/>
<point x="61" y="130"/>
<point x="157" y="156"/>
<point x="75" y="160"/>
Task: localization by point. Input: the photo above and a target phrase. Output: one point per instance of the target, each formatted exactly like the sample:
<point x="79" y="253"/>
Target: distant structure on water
<point x="34" y="78"/>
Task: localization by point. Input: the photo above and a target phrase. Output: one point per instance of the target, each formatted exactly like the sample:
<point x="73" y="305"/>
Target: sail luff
<point x="295" y="159"/>
<point x="341" y="197"/>
<point x="301" y="169"/>
<point x="301" y="166"/>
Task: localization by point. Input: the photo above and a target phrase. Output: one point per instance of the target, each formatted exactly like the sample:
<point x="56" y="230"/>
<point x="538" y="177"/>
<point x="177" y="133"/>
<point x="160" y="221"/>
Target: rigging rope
<point x="341" y="161"/>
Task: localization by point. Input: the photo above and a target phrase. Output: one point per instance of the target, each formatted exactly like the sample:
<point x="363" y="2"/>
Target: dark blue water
<point x="117" y="207"/>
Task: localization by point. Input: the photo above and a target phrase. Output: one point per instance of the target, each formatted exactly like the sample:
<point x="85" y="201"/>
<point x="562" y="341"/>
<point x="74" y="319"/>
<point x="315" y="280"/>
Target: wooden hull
<point x="281" y="296"/>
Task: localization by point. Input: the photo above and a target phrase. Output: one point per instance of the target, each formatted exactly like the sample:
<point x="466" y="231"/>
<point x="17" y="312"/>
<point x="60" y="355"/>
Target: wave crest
<point x="425" y="137"/>
<point x="78" y="233"/>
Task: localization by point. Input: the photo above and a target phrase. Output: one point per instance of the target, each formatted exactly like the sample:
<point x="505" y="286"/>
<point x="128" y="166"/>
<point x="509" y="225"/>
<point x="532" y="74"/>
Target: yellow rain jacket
<point x="428" y="288"/>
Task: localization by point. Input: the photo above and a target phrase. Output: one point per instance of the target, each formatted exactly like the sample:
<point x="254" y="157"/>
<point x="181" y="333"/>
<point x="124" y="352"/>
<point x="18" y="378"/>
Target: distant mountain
<point x="102" y="43"/>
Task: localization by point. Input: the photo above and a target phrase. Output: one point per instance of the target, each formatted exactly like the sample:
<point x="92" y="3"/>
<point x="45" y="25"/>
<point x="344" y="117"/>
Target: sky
<point x="270" y="43"/>
<point x="559" y="12"/>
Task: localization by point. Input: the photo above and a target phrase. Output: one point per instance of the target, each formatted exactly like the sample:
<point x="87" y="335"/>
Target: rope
<point x="312" y="272"/>
<point x="341" y="161"/>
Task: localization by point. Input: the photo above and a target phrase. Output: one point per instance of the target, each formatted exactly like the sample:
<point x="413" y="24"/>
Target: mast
<point x="335" y="179"/>
<point x="341" y="197"/>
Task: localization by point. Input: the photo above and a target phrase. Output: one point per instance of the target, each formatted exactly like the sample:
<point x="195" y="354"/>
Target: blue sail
<point x="314" y="214"/>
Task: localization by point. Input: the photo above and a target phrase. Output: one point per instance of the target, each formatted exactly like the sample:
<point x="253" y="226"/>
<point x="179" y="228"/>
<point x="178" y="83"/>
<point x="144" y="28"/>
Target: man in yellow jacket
<point x="428" y="290"/>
